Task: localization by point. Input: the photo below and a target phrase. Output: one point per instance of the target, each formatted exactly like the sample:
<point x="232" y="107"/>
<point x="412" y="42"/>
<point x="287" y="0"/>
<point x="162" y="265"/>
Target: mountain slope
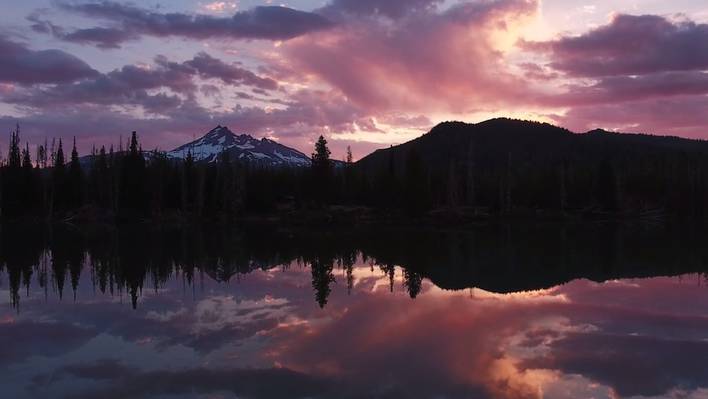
<point x="491" y="143"/>
<point x="240" y="147"/>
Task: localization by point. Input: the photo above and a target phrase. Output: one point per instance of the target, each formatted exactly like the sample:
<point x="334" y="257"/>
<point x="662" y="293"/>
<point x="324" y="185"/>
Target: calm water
<point x="496" y="312"/>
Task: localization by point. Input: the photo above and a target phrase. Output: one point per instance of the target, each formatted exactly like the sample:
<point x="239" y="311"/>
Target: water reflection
<point x="498" y="313"/>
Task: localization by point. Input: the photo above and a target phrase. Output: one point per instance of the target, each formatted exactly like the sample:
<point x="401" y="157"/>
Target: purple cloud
<point x="210" y="67"/>
<point x="134" y="86"/>
<point x="630" y="45"/>
<point x="251" y="383"/>
<point x="264" y="22"/>
<point x="104" y="38"/>
<point x="21" y="65"/>
<point x="631" y="365"/>
<point x="618" y="89"/>
<point x="682" y="116"/>
<point x="388" y="8"/>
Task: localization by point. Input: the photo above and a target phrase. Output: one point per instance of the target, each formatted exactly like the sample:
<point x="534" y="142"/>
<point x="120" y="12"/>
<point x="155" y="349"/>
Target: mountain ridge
<point x="498" y="137"/>
<point x="243" y="147"/>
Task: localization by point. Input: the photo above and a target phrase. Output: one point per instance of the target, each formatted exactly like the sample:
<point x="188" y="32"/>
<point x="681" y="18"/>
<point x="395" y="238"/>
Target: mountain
<point x="494" y="143"/>
<point x="240" y="147"/>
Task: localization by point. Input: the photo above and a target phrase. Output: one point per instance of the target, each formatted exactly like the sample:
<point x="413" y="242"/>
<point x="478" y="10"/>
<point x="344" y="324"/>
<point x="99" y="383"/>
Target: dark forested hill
<point x="492" y="141"/>
<point x="504" y="164"/>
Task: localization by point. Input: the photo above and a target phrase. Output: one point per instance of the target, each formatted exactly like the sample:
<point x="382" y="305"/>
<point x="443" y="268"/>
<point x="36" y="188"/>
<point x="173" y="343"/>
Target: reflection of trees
<point x="347" y="262"/>
<point x="413" y="282"/>
<point x="495" y="258"/>
<point x="322" y="277"/>
<point x="390" y="271"/>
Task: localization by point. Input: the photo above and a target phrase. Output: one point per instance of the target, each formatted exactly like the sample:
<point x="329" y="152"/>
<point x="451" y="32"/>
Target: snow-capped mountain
<point x="240" y="147"/>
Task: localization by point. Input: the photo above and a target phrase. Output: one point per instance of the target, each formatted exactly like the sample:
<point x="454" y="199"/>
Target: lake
<point x="496" y="311"/>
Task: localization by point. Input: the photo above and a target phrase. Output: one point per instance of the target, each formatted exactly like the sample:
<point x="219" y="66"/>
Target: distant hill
<point x="491" y="142"/>
<point x="509" y="166"/>
<point x="241" y="147"/>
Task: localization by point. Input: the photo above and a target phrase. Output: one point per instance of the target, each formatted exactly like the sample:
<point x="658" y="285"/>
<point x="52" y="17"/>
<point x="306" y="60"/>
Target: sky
<point x="363" y="73"/>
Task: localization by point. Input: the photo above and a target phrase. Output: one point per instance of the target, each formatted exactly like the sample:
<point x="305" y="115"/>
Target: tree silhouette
<point x="14" y="158"/>
<point x="322" y="170"/>
<point x="75" y="178"/>
<point x="322" y="277"/>
<point x="320" y="158"/>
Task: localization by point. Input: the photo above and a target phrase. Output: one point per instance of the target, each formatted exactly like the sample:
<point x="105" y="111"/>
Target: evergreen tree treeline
<point x="499" y="172"/>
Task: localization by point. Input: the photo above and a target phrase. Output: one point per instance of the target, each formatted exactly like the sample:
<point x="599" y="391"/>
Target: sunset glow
<point x="363" y="73"/>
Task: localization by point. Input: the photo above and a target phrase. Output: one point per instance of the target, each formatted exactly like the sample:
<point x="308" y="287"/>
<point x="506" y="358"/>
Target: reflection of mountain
<point x="495" y="258"/>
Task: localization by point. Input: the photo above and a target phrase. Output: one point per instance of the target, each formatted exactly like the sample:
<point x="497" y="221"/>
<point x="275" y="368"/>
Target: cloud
<point x="429" y="60"/>
<point x="387" y="8"/>
<point x="639" y="73"/>
<point x="22" y="65"/>
<point x="630" y="45"/>
<point x="263" y="22"/>
<point x="681" y="116"/>
<point x="88" y="112"/>
<point x="620" y="89"/>
<point x="210" y="67"/>
<point x="104" y="38"/>
<point x="250" y="383"/>
<point x="134" y="85"/>
<point x="30" y="338"/>
<point x="631" y="365"/>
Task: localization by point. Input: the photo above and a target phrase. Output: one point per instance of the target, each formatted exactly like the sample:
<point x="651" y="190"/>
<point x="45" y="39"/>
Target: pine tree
<point x="134" y="145"/>
<point x="133" y="180"/>
<point x="102" y="185"/>
<point x="26" y="160"/>
<point x="322" y="170"/>
<point x="14" y="157"/>
<point x="320" y="158"/>
<point x="57" y="196"/>
<point x="350" y="158"/>
<point x="59" y="161"/>
<point x="76" y="178"/>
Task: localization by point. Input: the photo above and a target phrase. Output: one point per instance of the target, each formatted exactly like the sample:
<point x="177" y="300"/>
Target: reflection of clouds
<point x="129" y="382"/>
<point x="24" y="339"/>
<point x="549" y="295"/>
<point x="582" y="339"/>
<point x="422" y="350"/>
<point x="632" y="365"/>
<point x="219" y="312"/>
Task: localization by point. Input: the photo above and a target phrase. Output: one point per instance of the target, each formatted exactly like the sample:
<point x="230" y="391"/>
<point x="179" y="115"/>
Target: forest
<point x="456" y="172"/>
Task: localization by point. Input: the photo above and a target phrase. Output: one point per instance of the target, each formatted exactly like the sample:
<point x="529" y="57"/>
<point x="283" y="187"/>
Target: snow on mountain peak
<point x="243" y="147"/>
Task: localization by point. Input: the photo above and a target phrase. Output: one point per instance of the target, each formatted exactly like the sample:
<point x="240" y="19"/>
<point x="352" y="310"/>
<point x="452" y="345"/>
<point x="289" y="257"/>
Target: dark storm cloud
<point x="630" y="45"/>
<point x="264" y="22"/>
<point x="21" y="65"/>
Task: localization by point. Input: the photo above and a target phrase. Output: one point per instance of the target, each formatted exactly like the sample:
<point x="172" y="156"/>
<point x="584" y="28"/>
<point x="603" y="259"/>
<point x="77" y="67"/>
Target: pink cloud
<point x="681" y="116"/>
<point x="629" y="45"/>
<point x="428" y="61"/>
